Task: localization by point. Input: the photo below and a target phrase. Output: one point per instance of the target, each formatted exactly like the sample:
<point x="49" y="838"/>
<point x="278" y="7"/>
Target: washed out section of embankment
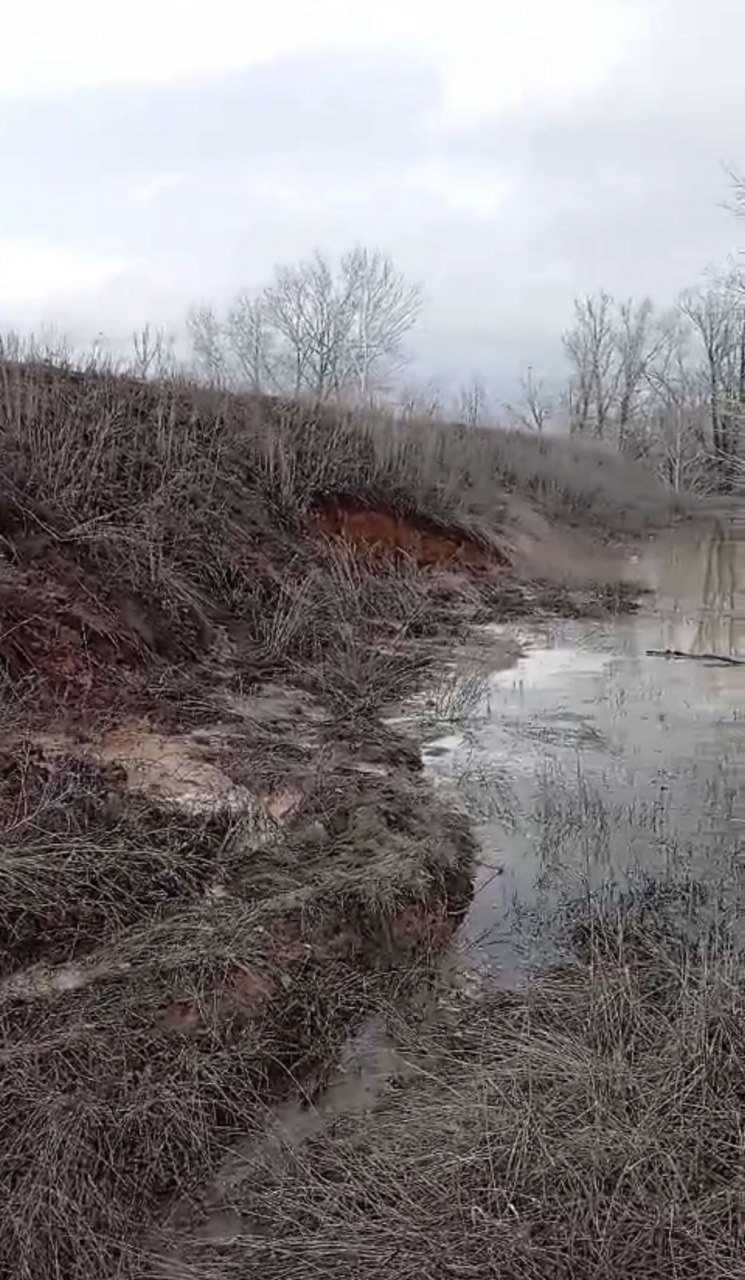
<point x="219" y="859"/>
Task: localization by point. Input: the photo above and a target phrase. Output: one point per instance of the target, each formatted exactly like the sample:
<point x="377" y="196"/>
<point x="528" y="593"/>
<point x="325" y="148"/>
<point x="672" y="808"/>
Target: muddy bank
<point x="177" y="953"/>
<point x="194" y="924"/>
<point x="220" y="856"/>
<point x="453" y="1134"/>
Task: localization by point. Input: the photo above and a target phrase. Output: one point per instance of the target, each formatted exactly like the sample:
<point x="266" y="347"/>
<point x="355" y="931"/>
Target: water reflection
<point x="593" y="767"/>
<point x="701" y="584"/>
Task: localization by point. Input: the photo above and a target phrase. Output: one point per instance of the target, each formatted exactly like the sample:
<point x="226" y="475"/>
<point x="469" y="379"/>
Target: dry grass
<point x="591" y="1128"/>
<point x="205" y="975"/>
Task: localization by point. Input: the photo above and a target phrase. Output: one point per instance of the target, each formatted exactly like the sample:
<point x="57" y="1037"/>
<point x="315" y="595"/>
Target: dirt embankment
<point x="218" y="856"/>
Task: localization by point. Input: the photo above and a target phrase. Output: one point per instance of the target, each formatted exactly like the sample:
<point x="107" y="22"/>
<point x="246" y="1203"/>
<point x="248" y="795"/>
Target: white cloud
<point x="499" y="54"/>
<point x="34" y="271"/>
<point x="459" y="186"/>
<point x="489" y="53"/>
<point x="571" y="144"/>
<point x="83" y="43"/>
<point x="144" y="194"/>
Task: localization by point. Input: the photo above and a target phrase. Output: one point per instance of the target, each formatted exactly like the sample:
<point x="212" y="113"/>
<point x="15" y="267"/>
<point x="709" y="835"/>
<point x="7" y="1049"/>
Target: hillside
<point x="218" y="856"/>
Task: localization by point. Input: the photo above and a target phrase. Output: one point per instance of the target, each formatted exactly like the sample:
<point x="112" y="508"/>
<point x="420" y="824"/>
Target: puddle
<point x="368" y="1063"/>
<point x="592" y="767"/>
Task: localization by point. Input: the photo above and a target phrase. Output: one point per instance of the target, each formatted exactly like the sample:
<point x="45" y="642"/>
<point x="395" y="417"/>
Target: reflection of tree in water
<point x="706" y="581"/>
<point x="717" y="628"/>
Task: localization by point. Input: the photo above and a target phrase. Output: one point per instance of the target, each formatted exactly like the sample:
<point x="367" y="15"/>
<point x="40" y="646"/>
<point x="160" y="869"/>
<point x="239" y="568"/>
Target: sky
<point x="509" y="154"/>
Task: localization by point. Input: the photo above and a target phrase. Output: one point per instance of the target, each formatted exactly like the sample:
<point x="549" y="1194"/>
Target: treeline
<point x="669" y="386"/>
<point x="319" y="329"/>
<point x="664" y="386"/>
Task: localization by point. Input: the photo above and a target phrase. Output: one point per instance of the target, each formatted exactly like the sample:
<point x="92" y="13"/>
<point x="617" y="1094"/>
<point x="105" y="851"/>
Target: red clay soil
<point x="391" y="535"/>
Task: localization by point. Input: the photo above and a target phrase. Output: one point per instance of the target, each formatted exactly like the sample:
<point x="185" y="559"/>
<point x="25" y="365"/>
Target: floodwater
<point x="596" y="770"/>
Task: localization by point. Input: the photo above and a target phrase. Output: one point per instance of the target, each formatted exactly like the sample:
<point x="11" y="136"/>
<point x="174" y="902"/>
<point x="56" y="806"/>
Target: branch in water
<point x="697" y="657"/>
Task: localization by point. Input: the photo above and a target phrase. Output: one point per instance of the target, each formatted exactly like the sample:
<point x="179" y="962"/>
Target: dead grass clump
<point x="591" y="1127"/>
<point x="128" y="1091"/>
<point x="366" y="847"/>
<point x="79" y="862"/>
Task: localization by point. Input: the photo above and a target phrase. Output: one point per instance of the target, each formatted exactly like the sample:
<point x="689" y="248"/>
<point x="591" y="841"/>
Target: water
<point x="593" y="769"/>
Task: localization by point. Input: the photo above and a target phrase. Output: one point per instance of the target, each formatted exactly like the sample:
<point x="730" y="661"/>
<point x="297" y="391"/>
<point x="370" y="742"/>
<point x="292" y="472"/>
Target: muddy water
<point x="593" y="768"/>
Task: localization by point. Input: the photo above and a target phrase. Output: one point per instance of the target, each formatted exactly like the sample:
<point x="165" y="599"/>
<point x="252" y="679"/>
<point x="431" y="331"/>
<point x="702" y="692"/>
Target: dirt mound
<point x="390" y="534"/>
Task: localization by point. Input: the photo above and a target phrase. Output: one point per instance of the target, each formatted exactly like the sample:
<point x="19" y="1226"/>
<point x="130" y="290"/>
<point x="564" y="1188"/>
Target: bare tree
<point x="535" y="407"/>
<point x="591" y="347"/>
<point x="251" y="342"/>
<point x="716" y="312"/>
<point x="385" y="307"/>
<point x="637" y="341"/>
<point x="473" y="403"/>
<point x="707" y="309"/>
<point x="344" y="328"/>
<point x="319" y="328"/>
<point x="612" y="349"/>
<point x="671" y="433"/>
<point x="312" y="317"/>
<point x="207" y="344"/>
<point x="153" y="353"/>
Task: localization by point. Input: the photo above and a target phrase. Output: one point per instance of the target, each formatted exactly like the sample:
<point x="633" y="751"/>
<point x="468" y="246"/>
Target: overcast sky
<point x="510" y="154"/>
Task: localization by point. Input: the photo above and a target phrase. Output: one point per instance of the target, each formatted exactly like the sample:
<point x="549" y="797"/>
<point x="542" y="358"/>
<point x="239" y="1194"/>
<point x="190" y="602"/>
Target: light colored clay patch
<point x="273" y="703"/>
<point x="39" y="982"/>
<point x="43" y="982"/>
<point x="174" y="769"/>
<point x="371" y="768"/>
<point x="280" y="805"/>
<point x="171" y="768"/>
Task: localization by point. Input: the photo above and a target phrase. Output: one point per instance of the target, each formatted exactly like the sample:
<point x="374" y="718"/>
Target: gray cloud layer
<point x="202" y="186"/>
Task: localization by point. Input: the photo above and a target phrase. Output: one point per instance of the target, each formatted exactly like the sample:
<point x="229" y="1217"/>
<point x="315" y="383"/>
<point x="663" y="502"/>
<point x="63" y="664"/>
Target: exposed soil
<point x="387" y="533"/>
